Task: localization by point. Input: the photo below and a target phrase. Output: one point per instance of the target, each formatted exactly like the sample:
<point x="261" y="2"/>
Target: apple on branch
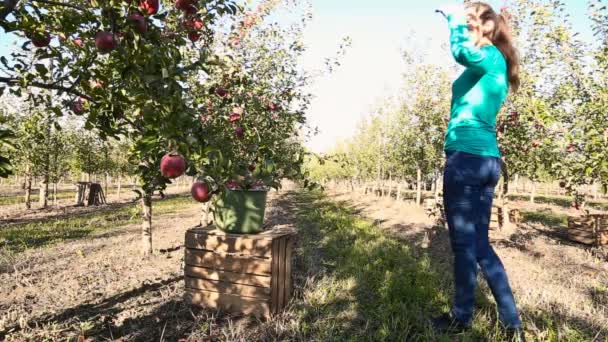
<point x="172" y="165"/>
<point x="105" y="42"/>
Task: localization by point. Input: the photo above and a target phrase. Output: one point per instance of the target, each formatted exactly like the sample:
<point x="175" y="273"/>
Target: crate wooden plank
<point x="228" y="288"/>
<point x="237" y="278"/>
<point x="274" y="282"/>
<point x="582" y="239"/>
<point x="288" y="256"/>
<point x="229" y="244"/>
<point x="603" y="238"/>
<point x="281" y="275"/>
<point x="581" y="233"/>
<point x="233" y="263"/>
<point x="227" y="302"/>
<point x="270" y="234"/>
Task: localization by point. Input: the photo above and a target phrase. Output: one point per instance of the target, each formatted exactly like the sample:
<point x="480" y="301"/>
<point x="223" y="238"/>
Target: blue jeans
<point x="468" y="188"/>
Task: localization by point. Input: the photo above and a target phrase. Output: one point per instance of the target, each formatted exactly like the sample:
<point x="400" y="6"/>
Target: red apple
<point x="562" y="184"/>
<point x="149" y="7"/>
<point x="200" y="192"/>
<point x="183" y="5"/>
<point x="78" y="107"/>
<point x="194" y="36"/>
<point x="571" y="148"/>
<point x="41" y="40"/>
<point x="221" y="92"/>
<point x="139" y="22"/>
<point x="239" y="132"/>
<point x="172" y="165"/>
<point x="233" y="185"/>
<point x="194" y="24"/>
<point x="97" y="84"/>
<point x="234" y="117"/>
<point x="105" y="42"/>
<point x="78" y="42"/>
<point x="273" y="107"/>
<point x="251" y="168"/>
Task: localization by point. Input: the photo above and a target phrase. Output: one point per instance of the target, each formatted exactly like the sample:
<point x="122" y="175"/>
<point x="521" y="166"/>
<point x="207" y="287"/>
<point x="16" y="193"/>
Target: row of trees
<point x="51" y="153"/>
<point x="552" y="129"/>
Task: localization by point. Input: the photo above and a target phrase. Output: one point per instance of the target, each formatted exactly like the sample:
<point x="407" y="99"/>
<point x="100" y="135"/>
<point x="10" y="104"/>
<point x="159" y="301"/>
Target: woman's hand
<point x="451" y="9"/>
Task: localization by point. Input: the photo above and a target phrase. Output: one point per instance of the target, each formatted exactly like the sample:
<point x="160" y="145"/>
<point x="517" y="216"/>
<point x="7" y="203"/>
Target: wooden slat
<point x="281" y="275"/>
<point x="603" y="238"/>
<point x="581" y="232"/>
<point x="270" y="234"/>
<point x="581" y="239"/>
<point x="274" y="282"/>
<point x="231" y="277"/>
<point x="288" y="255"/>
<point x="229" y="244"/>
<point x="228" y="288"/>
<point x="233" y="263"/>
<point x="230" y="303"/>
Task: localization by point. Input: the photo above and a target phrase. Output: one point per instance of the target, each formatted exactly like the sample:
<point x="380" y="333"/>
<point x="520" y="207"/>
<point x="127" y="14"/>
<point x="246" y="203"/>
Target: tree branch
<point x="55" y="3"/>
<point x="14" y="82"/>
<point x="6" y="7"/>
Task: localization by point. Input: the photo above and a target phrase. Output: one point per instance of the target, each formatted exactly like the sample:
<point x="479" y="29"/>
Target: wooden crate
<point x="243" y="274"/>
<point x="589" y="229"/>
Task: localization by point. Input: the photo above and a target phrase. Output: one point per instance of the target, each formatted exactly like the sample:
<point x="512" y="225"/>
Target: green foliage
<point x="251" y="107"/>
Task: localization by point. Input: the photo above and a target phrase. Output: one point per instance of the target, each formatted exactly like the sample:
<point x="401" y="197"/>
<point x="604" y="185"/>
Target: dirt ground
<point x="549" y="276"/>
<point x="99" y="288"/>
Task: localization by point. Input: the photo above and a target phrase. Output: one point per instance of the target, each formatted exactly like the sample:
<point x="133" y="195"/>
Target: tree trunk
<point x="206" y="218"/>
<point x="418" y="186"/>
<point x="118" y="189"/>
<point x="44" y="194"/>
<point x="106" y="180"/>
<point x="436" y="185"/>
<point x="399" y="192"/>
<point x="595" y="196"/>
<point x="533" y="193"/>
<point x="28" y="190"/>
<point x="146" y="226"/>
<point x="54" y="194"/>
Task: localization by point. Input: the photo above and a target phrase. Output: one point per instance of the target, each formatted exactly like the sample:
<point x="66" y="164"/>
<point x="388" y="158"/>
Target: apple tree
<point x="121" y="65"/>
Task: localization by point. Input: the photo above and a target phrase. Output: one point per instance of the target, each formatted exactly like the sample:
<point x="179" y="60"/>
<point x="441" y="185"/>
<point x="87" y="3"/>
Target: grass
<point x="370" y="286"/>
<point x="16" y="238"/>
<point x="10" y="200"/>
<point x="548" y="218"/>
<point x="561" y="201"/>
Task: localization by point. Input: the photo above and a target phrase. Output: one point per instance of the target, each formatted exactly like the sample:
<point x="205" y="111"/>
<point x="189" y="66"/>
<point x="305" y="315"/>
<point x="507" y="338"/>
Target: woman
<point x="481" y="42"/>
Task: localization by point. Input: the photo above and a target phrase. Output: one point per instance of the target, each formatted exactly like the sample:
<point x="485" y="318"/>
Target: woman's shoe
<point x="515" y="335"/>
<point x="447" y="324"/>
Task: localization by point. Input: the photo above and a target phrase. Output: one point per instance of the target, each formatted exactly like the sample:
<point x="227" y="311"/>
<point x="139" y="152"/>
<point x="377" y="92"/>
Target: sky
<point x="373" y="67"/>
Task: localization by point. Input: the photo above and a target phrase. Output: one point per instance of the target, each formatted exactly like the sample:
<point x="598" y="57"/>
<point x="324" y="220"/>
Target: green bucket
<point x="240" y="211"/>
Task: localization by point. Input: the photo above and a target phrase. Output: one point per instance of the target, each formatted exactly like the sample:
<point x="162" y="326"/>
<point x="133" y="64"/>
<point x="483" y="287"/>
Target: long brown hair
<point x="501" y="38"/>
